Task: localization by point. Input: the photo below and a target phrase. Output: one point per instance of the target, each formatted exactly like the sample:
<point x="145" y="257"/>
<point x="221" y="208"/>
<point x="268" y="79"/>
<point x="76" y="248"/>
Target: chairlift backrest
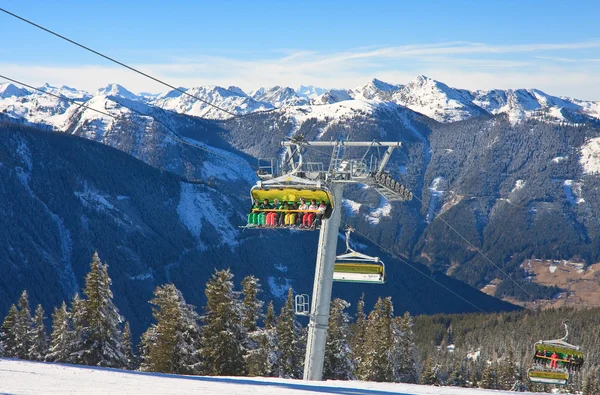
<point x="301" y="305"/>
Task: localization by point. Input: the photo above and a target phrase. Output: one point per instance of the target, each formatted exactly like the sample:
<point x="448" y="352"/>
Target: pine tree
<point x="380" y="357"/>
<point x="127" y="350"/>
<point x="101" y="336"/>
<point x="39" y="338"/>
<point x="171" y="344"/>
<point x="405" y="342"/>
<point x="7" y="336"/>
<point x="252" y="310"/>
<point x="77" y="325"/>
<point x="62" y="336"/>
<point x="223" y="335"/>
<point x="23" y="327"/>
<point x="591" y="386"/>
<point x="457" y="378"/>
<point x="357" y="342"/>
<point x="429" y="375"/>
<point x="290" y="341"/>
<point x="260" y="355"/>
<point x="507" y="371"/>
<point x="263" y="362"/>
<point x="338" y="364"/>
<point x="488" y="377"/>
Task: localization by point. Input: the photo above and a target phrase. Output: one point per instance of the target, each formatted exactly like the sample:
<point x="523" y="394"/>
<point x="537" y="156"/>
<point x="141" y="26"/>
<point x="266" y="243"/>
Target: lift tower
<point x="341" y="171"/>
<point x="293" y="178"/>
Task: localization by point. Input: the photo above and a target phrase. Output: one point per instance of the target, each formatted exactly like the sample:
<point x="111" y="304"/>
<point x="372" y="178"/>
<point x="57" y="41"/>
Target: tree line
<point x="234" y="336"/>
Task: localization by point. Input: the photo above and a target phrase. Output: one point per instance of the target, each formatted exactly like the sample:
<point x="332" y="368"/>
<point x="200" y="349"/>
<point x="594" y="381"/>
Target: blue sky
<point x="548" y="45"/>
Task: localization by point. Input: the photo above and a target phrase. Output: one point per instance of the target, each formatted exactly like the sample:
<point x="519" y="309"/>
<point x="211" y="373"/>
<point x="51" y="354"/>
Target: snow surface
<point x="25" y="377"/>
<point x="436" y="194"/>
<point x="590" y="156"/>
<point x="197" y="206"/>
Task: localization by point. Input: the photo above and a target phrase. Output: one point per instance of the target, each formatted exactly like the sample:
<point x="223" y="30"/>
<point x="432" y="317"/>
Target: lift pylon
<point x="332" y="179"/>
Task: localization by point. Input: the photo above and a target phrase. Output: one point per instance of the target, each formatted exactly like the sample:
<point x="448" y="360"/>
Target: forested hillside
<point x="64" y="197"/>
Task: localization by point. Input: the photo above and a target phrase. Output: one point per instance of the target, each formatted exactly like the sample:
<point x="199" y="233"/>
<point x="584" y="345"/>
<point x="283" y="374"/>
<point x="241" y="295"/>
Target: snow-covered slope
<point x="309" y="92"/>
<point x="116" y="90"/>
<point x="376" y="90"/>
<point x="279" y="96"/>
<point x="232" y="99"/>
<point x="24" y="377"/>
<point x="331" y="96"/>
<point x="437" y="100"/>
<point x="9" y="90"/>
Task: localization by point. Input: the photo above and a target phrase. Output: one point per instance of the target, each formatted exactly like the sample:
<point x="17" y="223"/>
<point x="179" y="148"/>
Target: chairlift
<point x="289" y="189"/>
<point x="355" y="267"/>
<point x="555" y="360"/>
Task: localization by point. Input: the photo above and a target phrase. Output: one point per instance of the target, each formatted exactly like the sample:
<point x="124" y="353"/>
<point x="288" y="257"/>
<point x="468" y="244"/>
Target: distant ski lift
<point x="301" y="305"/>
<point x="555" y="361"/>
<point x="355" y="267"/>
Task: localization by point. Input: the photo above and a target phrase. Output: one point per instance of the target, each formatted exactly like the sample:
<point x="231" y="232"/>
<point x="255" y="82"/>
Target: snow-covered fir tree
<point x="78" y="323"/>
<point x="100" y="336"/>
<point x="7" y="335"/>
<point x="127" y="349"/>
<point x="406" y="364"/>
<point x="380" y="357"/>
<point x="339" y="363"/>
<point x="429" y="374"/>
<point x="488" y="376"/>
<point x="23" y="327"/>
<point x="291" y="341"/>
<point x="171" y="344"/>
<point x="62" y="336"/>
<point x="263" y="360"/>
<point x="507" y="371"/>
<point x="591" y="386"/>
<point x="252" y="306"/>
<point x="357" y="342"/>
<point x="39" y="338"/>
<point x="224" y="336"/>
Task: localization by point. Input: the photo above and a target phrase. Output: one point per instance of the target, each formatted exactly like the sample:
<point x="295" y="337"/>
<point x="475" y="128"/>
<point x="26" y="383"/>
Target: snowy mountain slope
<point x="279" y="96"/>
<point x="116" y="90"/>
<point x="309" y="92"/>
<point x="65" y="91"/>
<point x="24" y="377"/>
<point x="376" y="90"/>
<point x="331" y="96"/>
<point x="232" y="99"/>
<point x="437" y="100"/>
<point x="8" y="89"/>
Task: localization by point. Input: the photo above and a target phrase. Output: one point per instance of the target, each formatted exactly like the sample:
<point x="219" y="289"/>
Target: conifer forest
<point x="236" y="333"/>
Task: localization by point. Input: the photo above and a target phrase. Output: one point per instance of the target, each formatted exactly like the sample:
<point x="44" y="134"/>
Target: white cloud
<point x="459" y="64"/>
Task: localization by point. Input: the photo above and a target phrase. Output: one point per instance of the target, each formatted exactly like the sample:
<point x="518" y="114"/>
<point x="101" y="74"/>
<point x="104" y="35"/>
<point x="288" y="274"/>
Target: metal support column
<point x="321" y="300"/>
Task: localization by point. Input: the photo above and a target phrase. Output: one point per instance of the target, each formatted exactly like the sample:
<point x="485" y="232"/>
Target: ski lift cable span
<point x="418" y="271"/>
<point x="439" y="216"/>
<point x="83" y="105"/>
<point x="155" y="79"/>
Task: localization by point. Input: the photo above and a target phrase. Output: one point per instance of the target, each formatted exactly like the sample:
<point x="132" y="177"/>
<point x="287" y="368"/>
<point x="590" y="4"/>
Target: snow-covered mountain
<point x="116" y="90"/>
<point x="331" y="96"/>
<point x="7" y="90"/>
<point x="279" y="96"/>
<point x="309" y="92"/>
<point x="232" y="99"/>
<point x="376" y="90"/>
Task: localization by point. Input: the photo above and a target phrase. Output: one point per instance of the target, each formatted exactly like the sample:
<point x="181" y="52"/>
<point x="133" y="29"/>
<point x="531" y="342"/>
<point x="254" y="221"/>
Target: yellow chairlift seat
<point x="548" y="376"/>
<point x="355" y="267"/>
<point x="290" y="189"/>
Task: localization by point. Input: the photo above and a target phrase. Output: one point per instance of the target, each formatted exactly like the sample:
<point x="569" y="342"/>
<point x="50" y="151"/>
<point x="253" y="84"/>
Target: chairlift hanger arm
<point x="386" y="158"/>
